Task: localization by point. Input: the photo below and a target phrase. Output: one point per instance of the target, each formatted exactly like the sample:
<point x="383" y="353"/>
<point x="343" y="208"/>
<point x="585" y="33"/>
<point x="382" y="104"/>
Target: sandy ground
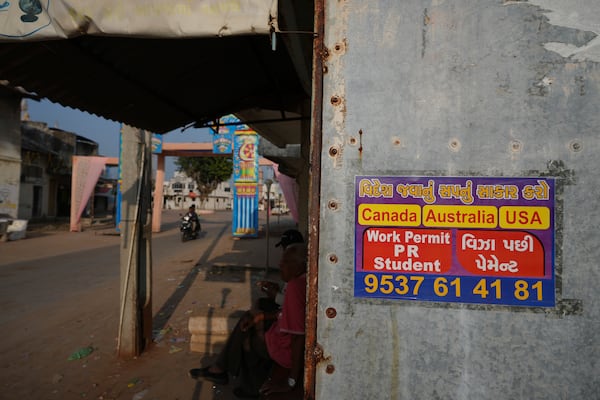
<point x="53" y="309"/>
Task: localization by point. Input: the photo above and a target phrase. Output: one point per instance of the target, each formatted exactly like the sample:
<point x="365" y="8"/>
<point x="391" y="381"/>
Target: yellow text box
<point x="389" y="214"/>
<point x="514" y="217"/>
<point x="460" y="216"/>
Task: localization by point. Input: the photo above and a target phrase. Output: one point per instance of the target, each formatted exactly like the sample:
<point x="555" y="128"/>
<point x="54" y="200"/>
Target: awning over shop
<point x="61" y="19"/>
<point x="160" y="65"/>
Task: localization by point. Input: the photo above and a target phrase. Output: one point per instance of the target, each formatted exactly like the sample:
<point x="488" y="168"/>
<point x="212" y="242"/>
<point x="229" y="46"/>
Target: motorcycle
<point x="187" y="228"/>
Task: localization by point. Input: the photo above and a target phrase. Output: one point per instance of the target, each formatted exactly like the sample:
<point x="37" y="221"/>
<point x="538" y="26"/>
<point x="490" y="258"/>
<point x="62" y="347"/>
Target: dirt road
<point x="59" y="292"/>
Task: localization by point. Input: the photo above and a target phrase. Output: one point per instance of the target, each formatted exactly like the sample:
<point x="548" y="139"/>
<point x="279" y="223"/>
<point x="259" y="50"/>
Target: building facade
<point x="46" y="165"/>
<point x="10" y="151"/>
<point x="36" y="166"/>
<point x="181" y="192"/>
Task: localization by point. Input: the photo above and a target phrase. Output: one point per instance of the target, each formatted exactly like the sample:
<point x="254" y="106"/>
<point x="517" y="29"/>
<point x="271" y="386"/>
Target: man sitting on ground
<point x="272" y="289"/>
<point x="250" y="351"/>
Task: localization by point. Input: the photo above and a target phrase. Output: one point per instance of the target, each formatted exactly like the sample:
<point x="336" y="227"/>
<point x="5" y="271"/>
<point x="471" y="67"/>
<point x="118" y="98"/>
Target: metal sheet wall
<point x="461" y="88"/>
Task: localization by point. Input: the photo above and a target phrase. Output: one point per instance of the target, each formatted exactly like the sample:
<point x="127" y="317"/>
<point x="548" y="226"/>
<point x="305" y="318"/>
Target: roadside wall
<point x="10" y="152"/>
<point x="473" y="90"/>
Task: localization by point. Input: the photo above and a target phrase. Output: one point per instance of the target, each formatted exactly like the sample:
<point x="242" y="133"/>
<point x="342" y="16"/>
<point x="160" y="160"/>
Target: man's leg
<point x="228" y="360"/>
<point x="255" y="363"/>
<point x="245" y="355"/>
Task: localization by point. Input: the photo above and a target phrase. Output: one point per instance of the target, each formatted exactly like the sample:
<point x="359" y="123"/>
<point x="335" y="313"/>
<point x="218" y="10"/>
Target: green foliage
<point x="207" y="172"/>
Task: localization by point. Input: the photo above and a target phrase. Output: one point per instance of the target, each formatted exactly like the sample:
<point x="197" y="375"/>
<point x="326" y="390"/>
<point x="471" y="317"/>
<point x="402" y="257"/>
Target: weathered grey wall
<point x="10" y="152"/>
<point x="462" y="87"/>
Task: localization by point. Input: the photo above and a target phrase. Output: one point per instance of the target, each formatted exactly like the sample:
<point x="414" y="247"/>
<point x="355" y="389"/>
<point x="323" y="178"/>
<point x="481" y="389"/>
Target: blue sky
<point x="103" y="131"/>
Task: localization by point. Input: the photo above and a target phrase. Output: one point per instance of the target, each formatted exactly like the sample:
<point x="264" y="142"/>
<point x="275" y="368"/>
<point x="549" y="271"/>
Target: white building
<point x="180" y="192"/>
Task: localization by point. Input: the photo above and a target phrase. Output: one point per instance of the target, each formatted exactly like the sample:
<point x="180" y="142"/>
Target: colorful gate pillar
<point x="245" y="183"/>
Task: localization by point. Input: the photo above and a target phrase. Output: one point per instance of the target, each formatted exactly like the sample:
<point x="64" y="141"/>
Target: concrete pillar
<point x="158" y="193"/>
<point x="135" y="323"/>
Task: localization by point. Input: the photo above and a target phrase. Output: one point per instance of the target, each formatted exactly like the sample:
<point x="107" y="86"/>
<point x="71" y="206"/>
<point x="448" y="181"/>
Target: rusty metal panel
<point x="457" y="89"/>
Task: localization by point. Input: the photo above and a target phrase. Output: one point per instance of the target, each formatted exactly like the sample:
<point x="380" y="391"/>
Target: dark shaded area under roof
<point x="156" y="84"/>
<point x="164" y="84"/>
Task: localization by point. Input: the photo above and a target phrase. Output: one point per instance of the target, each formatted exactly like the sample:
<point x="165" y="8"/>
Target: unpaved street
<point x="59" y="292"/>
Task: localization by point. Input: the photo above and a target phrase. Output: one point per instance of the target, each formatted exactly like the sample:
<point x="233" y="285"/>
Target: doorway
<point x="36" y="210"/>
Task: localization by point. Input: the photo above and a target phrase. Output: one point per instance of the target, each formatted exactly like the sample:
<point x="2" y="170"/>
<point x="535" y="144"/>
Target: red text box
<point x="500" y="253"/>
<point x="425" y="251"/>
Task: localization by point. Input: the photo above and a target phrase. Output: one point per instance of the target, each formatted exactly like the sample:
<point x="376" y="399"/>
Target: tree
<point x="207" y="172"/>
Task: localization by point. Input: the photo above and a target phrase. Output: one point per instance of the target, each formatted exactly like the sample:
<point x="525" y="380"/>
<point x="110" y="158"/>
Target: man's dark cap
<point x="290" y="236"/>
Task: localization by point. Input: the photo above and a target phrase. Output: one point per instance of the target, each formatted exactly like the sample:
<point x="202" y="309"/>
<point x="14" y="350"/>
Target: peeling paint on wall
<point x="562" y="13"/>
<point x="9" y="195"/>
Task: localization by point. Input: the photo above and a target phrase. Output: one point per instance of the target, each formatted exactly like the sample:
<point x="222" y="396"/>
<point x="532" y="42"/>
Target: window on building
<point x="177" y="187"/>
<point x="32" y="171"/>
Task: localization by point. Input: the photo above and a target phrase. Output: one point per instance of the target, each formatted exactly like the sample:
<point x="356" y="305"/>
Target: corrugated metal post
<point x="135" y="323"/>
<point x="311" y="346"/>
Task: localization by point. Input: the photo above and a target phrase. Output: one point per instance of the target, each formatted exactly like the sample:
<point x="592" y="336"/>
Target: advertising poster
<point x="245" y="183"/>
<point x="156" y="143"/>
<point x="9" y="196"/>
<point x="474" y="240"/>
<point x="223" y="135"/>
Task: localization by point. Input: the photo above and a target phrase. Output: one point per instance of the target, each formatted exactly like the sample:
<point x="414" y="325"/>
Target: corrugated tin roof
<point x="156" y="84"/>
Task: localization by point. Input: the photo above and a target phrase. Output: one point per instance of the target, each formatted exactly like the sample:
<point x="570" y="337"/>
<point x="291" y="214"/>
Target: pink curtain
<point x="85" y="174"/>
<point x="289" y="187"/>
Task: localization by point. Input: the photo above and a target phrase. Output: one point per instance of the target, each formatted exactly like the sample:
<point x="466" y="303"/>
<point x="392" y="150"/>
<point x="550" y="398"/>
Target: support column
<point x="135" y="322"/>
<point x="158" y="193"/>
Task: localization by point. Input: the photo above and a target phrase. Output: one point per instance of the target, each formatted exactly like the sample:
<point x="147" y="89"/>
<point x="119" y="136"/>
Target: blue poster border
<point x="457" y="287"/>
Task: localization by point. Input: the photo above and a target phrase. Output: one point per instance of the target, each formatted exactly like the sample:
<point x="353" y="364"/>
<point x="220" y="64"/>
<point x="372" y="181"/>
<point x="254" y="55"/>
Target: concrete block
<point x="208" y="334"/>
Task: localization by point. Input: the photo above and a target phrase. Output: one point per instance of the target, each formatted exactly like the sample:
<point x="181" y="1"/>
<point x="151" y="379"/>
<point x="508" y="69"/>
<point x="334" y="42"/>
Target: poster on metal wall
<point x="245" y="183"/>
<point x="478" y="240"/>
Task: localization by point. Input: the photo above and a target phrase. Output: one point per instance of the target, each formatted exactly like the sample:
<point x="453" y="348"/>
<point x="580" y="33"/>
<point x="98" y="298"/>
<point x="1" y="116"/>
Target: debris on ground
<point x="174" y="349"/>
<point x="140" y="395"/>
<point x="134" y="382"/>
<point x="81" y="353"/>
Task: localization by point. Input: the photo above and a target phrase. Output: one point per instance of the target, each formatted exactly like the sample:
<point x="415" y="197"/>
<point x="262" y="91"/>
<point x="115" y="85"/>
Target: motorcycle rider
<point x="194" y="218"/>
